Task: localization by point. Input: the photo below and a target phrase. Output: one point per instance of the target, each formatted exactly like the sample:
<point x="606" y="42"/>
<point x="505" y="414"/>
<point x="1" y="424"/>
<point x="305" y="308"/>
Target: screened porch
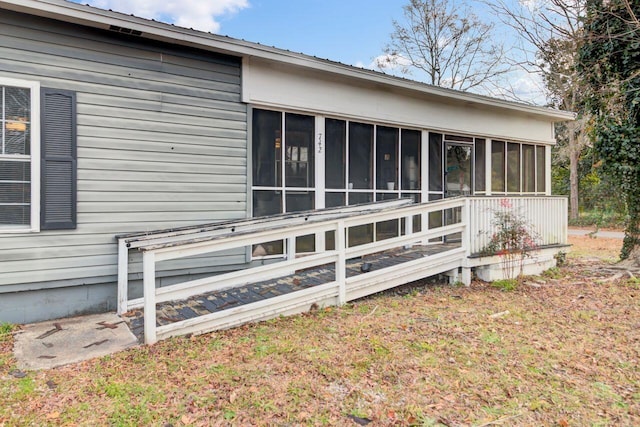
<point x="303" y="162"/>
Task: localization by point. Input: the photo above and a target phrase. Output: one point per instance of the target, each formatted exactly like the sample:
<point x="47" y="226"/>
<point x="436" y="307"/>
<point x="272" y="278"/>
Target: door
<point x="458" y="170"/>
<point x="457" y="180"/>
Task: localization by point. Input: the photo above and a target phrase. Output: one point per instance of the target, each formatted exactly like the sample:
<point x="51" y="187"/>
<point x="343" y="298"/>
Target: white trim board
<point x="294" y="89"/>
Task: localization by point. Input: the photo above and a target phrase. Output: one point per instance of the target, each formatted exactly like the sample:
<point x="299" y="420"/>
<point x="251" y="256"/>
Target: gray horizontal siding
<point x="48" y="265"/>
<point x="163" y="197"/>
<point x="233" y="176"/>
<point x="120" y="117"/>
<point x="70" y="44"/>
<point x="98" y="158"/>
<point x="174" y="147"/>
<point x="218" y="90"/>
<point x="161" y="143"/>
<point x="179" y="189"/>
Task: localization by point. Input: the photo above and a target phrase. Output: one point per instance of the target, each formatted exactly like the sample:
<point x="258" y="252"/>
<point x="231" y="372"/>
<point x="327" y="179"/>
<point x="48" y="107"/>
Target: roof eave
<point x="104" y="19"/>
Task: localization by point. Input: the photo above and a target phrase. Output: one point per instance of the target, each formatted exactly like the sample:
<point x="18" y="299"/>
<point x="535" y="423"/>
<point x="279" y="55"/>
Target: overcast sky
<point x="353" y="32"/>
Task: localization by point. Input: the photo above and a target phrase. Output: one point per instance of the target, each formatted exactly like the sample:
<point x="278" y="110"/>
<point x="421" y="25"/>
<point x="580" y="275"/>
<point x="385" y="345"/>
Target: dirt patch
<point x="599" y="247"/>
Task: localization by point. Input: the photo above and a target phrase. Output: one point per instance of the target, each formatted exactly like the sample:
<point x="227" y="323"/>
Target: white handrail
<point x="225" y="229"/>
<point x="161" y="249"/>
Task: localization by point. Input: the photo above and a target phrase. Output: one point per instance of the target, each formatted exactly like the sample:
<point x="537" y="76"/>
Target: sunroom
<point x="323" y="135"/>
<point x="303" y="162"/>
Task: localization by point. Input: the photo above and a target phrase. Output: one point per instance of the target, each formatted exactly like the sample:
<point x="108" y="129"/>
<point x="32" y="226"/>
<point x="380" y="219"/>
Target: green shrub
<point x="506" y="285"/>
<point x="552" y="273"/>
<point x="600" y="218"/>
<point x="561" y="258"/>
<point x="5" y="330"/>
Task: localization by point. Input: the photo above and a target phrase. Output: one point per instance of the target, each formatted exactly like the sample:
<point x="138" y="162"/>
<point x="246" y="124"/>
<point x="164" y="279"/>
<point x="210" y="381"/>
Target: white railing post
<point x="291" y="248"/>
<point x="466" y="220"/>
<point x="321" y="242"/>
<point x="466" y="241"/>
<point x="149" y="292"/>
<point x="341" y="263"/>
<point x="123" y="272"/>
<point x="408" y="228"/>
<point x="424" y="226"/>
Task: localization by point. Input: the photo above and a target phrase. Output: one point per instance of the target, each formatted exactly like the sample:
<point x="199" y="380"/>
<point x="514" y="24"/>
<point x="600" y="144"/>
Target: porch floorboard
<point x="212" y="302"/>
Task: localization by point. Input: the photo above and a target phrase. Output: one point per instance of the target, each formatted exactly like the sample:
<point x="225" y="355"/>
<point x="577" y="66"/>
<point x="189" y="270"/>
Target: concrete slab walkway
<point x="59" y="342"/>
<point x="609" y="234"/>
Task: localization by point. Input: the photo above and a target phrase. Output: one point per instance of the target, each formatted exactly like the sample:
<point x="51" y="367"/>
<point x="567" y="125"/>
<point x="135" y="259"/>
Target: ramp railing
<point x="340" y="223"/>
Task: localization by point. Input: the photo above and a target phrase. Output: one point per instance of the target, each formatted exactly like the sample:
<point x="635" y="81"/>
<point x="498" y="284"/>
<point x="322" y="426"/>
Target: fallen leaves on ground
<point x="562" y="349"/>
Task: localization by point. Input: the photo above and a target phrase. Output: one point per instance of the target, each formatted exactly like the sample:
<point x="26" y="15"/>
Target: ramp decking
<point x="219" y="301"/>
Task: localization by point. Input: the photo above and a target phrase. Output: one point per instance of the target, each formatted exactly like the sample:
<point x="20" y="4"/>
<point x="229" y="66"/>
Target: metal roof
<point x="90" y="16"/>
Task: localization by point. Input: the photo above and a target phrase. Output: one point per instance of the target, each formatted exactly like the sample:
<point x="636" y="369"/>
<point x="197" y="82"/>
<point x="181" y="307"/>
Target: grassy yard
<point x="560" y="350"/>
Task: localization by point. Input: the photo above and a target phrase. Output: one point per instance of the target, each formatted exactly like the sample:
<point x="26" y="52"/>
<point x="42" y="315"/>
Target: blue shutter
<point x="58" y="160"/>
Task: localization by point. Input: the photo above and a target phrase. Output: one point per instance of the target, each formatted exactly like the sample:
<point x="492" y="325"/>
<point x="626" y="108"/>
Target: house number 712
<point x="319" y="143"/>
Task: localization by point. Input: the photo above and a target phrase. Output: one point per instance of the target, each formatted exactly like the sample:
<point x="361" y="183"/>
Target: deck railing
<point x="546" y="216"/>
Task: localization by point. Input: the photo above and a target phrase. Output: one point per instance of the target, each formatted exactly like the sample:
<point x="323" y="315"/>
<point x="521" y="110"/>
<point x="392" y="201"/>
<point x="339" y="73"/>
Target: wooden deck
<point x="212" y="302"/>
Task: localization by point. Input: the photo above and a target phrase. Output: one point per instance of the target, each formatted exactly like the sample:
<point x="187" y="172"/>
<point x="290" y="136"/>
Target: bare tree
<point x="632" y="15"/>
<point x="550" y="32"/>
<point x="447" y="43"/>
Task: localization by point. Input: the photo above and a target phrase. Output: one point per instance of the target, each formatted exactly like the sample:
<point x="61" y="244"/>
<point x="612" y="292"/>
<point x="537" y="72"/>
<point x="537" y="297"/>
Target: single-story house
<point x="114" y="124"/>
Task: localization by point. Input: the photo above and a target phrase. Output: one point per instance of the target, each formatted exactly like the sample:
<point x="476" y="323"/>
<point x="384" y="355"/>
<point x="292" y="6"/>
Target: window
<point x="363" y="163"/>
<point x="435" y="162"/>
<point x="513" y="167"/>
<point x="480" y="166"/>
<point x="366" y="162"/>
<point x="497" y="166"/>
<point x="387" y="158"/>
<point x="37" y="157"/>
<point x="410" y="159"/>
<point x="382" y="162"/>
<point x="275" y="157"/>
<point x="336" y="153"/>
<point x="540" y="169"/>
<point x="528" y="168"/>
<point x="360" y="156"/>
<point x="283" y="169"/>
<point x="19" y="156"/>
<point x="523" y="166"/>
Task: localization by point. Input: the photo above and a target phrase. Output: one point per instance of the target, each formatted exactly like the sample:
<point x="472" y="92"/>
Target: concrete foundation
<point x="491" y="268"/>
